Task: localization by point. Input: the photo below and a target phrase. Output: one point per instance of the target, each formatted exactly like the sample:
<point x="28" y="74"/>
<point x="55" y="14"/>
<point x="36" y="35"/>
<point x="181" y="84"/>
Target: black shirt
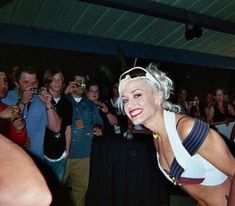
<point x="54" y="143"/>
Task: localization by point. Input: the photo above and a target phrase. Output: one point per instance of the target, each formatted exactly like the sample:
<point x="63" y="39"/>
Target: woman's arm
<point x="112" y="119"/>
<point x="231" y="110"/>
<point x="21" y="181"/>
<point x="214" y="144"/>
<point x="68" y="138"/>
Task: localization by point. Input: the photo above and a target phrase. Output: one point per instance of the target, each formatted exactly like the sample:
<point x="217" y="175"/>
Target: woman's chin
<point x="136" y="121"/>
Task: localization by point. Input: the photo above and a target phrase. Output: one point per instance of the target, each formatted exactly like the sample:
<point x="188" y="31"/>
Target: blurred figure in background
<point x="124" y="126"/>
<point x="195" y="108"/>
<point x="182" y="100"/>
<point x="13" y="70"/>
<point x="220" y="112"/>
<point x="12" y="124"/>
<point x="208" y="102"/>
<point x="109" y="119"/>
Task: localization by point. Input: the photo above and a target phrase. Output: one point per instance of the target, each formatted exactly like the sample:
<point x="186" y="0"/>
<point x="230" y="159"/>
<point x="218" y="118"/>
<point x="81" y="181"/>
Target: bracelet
<point x="50" y="108"/>
<point x="107" y="113"/>
<point x="20" y="102"/>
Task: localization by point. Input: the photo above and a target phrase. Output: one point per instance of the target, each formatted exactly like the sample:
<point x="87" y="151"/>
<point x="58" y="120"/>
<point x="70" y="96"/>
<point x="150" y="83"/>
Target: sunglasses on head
<point x="136" y="72"/>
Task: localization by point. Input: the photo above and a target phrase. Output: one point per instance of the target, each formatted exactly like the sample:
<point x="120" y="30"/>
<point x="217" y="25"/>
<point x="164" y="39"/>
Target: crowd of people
<point x="55" y="124"/>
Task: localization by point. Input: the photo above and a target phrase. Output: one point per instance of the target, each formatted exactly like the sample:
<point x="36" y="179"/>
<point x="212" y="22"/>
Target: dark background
<point x="196" y="79"/>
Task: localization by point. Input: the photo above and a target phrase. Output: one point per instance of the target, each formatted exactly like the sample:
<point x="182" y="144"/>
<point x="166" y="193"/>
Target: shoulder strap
<point x="180" y="153"/>
<point x="180" y="120"/>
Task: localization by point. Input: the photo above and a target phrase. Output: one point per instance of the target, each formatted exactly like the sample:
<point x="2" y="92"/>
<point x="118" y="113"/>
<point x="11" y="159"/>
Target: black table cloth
<point x="125" y="173"/>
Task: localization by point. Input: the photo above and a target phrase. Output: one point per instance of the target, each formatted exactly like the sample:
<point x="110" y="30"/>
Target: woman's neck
<point x="156" y="122"/>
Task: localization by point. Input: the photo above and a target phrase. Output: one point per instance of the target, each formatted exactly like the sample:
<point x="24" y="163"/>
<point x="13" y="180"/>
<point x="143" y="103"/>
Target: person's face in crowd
<point x="209" y="98"/>
<point x="3" y="84"/>
<point x="93" y="93"/>
<point x="80" y="90"/>
<point x="27" y="81"/>
<point x="197" y="100"/>
<point x="14" y="69"/>
<point x="56" y="84"/>
<point x="115" y="90"/>
<point x="183" y="95"/>
<point x="139" y="101"/>
<point x="219" y="95"/>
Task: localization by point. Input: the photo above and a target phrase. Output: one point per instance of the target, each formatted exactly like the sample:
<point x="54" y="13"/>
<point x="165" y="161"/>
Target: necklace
<point x="156" y="135"/>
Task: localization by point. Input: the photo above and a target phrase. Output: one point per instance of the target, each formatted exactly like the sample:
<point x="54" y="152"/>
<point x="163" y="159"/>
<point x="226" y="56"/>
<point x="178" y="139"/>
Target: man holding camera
<point x="85" y="124"/>
<point x="36" y="108"/>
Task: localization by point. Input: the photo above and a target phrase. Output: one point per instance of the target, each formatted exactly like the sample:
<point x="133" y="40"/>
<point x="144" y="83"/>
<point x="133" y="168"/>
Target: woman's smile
<point x="135" y="113"/>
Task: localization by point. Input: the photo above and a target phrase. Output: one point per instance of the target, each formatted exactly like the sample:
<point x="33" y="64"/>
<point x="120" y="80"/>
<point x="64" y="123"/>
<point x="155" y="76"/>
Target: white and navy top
<point x="188" y="167"/>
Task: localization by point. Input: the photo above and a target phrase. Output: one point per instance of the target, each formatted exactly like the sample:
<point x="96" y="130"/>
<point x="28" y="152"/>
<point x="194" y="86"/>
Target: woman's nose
<point x="131" y="103"/>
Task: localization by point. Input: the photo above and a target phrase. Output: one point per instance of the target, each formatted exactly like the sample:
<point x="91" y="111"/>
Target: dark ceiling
<point x="145" y="29"/>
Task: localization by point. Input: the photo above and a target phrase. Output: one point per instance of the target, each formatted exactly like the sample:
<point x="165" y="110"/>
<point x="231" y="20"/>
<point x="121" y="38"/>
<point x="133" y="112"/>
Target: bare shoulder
<point x="184" y="125"/>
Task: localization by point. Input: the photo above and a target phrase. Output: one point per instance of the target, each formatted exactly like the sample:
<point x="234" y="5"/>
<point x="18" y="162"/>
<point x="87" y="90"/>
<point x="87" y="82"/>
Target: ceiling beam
<point x="164" y="11"/>
<point x="4" y="2"/>
<point x="19" y="35"/>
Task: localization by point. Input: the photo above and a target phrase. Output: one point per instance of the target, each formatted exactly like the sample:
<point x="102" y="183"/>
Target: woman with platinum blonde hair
<point x="186" y="147"/>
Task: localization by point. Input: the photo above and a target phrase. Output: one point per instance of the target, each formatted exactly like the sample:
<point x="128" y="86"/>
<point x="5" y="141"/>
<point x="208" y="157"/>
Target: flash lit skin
<point x="139" y="101"/>
<point x="80" y="91"/>
<point x="93" y="93"/>
<point x="55" y="86"/>
<point x="27" y="81"/>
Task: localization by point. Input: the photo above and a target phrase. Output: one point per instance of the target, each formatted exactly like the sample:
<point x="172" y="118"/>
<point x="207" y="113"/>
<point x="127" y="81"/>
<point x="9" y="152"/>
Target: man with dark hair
<point x="86" y="123"/>
<point x="36" y="108"/>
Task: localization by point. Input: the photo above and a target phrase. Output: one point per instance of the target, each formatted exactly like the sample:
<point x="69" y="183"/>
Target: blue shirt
<point x="88" y="112"/>
<point x="35" y="116"/>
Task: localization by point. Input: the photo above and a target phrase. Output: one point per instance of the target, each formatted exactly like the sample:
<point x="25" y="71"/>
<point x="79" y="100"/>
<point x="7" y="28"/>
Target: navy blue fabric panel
<point x="196" y="137"/>
<point x="192" y="142"/>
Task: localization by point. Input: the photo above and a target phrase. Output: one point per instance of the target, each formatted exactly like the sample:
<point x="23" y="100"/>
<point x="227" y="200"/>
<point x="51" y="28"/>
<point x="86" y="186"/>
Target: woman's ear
<point x="158" y="98"/>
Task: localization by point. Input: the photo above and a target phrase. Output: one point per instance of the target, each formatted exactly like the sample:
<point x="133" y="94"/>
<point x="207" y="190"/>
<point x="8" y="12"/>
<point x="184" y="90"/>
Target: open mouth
<point x="135" y="112"/>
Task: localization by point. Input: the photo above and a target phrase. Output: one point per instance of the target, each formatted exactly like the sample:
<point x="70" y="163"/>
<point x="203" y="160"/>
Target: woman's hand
<point x="11" y="112"/>
<point x="71" y="88"/>
<point x="97" y="130"/>
<point x="19" y="124"/>
<point x="103" y="107"/>
<point x="46" y="97"/>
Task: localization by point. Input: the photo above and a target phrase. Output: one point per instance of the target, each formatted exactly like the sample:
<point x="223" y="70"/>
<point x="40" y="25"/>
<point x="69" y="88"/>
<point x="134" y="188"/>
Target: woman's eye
<point x="124" y="101"/>
<point x="137" y="95"/>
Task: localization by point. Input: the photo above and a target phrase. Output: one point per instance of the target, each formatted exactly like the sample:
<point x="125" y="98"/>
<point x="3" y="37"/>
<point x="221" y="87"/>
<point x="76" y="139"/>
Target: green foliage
<point x="110" y="73"/>
<point x="107" y="72"/>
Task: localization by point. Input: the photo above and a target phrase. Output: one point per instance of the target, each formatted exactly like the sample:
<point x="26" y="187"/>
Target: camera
<point x="38" y="91"/>
<point x="81" y="86"/>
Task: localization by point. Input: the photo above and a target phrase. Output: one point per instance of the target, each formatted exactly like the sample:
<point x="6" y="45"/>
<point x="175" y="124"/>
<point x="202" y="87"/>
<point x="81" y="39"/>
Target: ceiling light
<point x="195" y="31"/>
